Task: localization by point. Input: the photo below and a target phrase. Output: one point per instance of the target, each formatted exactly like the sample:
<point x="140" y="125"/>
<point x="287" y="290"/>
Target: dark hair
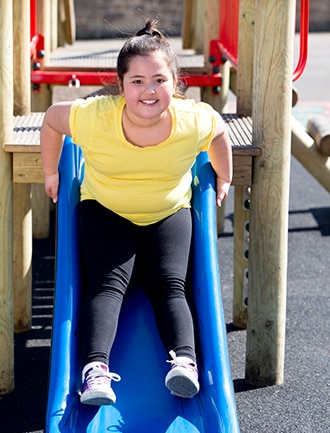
<point x="147" y="40"/>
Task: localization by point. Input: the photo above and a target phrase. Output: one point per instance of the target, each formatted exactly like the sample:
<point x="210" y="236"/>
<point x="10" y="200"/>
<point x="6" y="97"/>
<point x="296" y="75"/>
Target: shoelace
<point x="97" y="375"/>
<point x="175" y="362"/>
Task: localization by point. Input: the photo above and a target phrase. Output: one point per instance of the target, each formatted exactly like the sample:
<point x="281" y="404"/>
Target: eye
<point x="160" y="80"/>
<point x="137" y="81"/>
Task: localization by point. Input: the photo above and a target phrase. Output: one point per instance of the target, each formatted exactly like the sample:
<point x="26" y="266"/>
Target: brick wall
<point x="319" y="15"/>
<point x="120" y="18"/>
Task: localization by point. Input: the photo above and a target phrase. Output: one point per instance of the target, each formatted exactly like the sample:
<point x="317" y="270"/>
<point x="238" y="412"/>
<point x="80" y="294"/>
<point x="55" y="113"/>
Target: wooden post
<point x="54" y="25"/>
<point x="41" y="210"/>
<point x="272" y="94"/>
<point x="199" y="26"/>
<point x="70" y="22"/>
<point x="188" y="24"/>
<point x="22" y="191"/>
<point x="60" y="27"/>
<point x="40" y="101"/>
<point x="241" y="255"/>
<point x="6" y="203"/>
<point x="22" y="257"/>
<point x="244" y="93"/>
<point x="210" y="25"/>
<point x="209" y="10"/>
<point x="244" y="78"/>
<point x="22" y="88"/>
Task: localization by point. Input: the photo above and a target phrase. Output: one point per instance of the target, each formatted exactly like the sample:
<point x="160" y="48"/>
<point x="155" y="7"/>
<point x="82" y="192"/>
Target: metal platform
<point x="101" y="55"/>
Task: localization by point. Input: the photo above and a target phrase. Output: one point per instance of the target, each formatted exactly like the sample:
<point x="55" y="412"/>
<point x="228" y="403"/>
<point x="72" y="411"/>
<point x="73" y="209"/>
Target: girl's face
<point x="148" y="86"/>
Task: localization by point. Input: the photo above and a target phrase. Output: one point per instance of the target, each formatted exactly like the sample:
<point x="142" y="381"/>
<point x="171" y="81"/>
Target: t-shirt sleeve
<point x="80" y="119"/>
<point x="207" y="125"/>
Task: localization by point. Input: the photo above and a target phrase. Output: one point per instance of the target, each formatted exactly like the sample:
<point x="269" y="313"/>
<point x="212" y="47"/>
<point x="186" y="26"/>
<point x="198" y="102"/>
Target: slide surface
<point x="143" y="405"/>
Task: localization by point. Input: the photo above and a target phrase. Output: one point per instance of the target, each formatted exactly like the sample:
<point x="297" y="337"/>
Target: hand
<point x="222" y="190"/>
<point x="51" y="186"/>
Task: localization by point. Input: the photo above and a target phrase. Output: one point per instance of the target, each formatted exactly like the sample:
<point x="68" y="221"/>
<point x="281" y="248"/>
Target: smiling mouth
<point x="149" y="101"/>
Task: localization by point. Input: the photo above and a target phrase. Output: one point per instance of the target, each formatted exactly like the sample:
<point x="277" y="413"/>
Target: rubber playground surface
<point x="302" y="403"/>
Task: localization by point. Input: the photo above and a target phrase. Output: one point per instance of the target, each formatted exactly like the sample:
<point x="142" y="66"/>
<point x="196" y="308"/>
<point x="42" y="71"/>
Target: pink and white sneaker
<point x="182" y="379"/>
<point x="96" y="385"/>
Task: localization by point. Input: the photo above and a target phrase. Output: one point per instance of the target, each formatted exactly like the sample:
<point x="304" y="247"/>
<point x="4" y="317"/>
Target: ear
<point x="120" y="87"/>
<point x="175" y="83"/>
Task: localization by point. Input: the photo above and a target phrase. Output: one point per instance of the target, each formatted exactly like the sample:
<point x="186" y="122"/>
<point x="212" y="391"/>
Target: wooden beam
<point x="27" y="168"/>
<point x="305" y="150"/>
<point x="319" y="128"/>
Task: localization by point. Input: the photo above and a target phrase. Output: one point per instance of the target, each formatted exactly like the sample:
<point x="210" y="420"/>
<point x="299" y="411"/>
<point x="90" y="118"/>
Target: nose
<point x="151" y="88"/>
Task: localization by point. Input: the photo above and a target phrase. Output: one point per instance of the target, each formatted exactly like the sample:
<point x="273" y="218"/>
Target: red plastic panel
<point x="228" y="29"/>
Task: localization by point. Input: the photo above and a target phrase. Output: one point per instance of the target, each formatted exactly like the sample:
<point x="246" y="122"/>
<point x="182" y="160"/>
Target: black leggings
<point x="111" y="245"/>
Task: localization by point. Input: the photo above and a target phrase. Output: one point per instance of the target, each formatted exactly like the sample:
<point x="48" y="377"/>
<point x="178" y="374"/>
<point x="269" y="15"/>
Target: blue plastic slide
<point x="143" y="405"/>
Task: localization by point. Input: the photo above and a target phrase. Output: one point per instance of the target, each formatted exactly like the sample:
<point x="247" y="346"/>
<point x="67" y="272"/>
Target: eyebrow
<point x="143" y="76"/>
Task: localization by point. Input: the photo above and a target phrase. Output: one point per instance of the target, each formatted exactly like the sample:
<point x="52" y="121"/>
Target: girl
<point x="139" y="148"/>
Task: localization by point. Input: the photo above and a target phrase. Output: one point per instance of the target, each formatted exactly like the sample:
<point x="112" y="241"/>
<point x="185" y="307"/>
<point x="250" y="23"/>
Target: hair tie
<point x="151" y="33"/>
<point x="150" y="30"/>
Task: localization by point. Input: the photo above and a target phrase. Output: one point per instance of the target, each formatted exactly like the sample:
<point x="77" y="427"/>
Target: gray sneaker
<point x="182" y="379"/>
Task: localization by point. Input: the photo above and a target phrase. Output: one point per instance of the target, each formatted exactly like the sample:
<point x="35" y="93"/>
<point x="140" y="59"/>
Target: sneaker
<point x="182" y="379"/>
<point x="96" y="385"/>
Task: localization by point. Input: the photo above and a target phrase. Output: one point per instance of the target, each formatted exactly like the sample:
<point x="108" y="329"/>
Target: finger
<point x="54" y="196"/>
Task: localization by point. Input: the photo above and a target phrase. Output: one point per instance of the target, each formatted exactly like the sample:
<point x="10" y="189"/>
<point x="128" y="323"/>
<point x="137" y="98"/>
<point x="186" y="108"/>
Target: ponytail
<point x="150" y="29"/>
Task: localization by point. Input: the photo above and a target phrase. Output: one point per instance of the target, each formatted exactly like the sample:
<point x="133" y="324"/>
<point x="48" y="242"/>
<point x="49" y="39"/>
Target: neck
<point x="143" y="123"/>
<point x="146" y="132"/>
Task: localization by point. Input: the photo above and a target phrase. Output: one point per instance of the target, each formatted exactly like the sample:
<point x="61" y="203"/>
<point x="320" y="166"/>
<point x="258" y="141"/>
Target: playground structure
<point x="263" y="89"/>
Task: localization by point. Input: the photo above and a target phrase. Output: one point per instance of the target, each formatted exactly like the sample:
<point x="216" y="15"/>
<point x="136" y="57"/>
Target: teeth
<point x="148" y="101"/>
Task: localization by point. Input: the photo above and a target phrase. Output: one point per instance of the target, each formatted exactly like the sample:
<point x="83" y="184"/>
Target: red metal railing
<point x="229" y="26"/>
<point x="72" y="78"/>
<point x="33" y="18"/>
<point x="226" y="46"/>
<point x="303" y="46"/>
<point x="36" y="40"/>
<point x="110" y="78"/>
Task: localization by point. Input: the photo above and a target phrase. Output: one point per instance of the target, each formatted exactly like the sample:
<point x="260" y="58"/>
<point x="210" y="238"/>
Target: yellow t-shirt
<point x="145" y="184"/>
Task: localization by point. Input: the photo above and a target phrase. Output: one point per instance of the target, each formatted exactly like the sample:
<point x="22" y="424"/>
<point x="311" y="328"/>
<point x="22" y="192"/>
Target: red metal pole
<point x="303" y="51"/>
<point x="33" y="18"/>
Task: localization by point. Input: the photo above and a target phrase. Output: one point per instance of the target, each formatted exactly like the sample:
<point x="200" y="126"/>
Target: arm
<point x="221" y="160"/>
<point x="55" y="125"/>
